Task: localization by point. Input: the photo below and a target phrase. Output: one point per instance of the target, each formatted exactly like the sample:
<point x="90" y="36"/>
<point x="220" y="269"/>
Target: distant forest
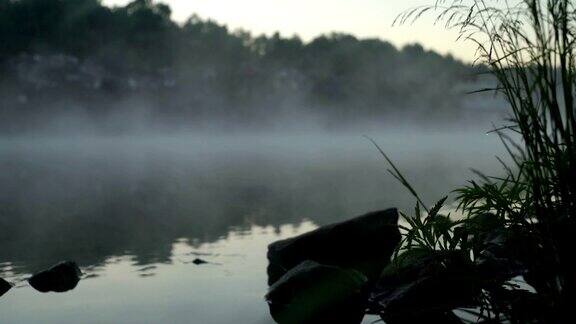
<point x="89" y="62"/>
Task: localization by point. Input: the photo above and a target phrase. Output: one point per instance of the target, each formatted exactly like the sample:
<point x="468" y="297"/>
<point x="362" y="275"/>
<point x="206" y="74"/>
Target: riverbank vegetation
<point x="510" y="256"/>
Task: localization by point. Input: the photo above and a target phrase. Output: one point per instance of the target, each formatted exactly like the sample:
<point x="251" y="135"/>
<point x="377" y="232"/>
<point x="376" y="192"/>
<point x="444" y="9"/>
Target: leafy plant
<point x="529" y="47"/>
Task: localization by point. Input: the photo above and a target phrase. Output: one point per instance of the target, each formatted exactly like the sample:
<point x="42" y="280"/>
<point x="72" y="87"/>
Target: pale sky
<point x="310" y="18"/>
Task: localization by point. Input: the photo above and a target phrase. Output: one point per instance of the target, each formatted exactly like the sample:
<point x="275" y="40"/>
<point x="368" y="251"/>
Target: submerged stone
<point x="364" y="243"/>
<point x="4" y="286"/>
<point x="60" y="278"/>
<point x="199" y="261"/>
<point x="426" y="285"/>
<point x="316" y="293"/>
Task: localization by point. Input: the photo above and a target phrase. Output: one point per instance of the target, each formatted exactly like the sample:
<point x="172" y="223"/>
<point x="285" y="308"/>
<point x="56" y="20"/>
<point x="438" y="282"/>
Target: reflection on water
<point x="227" y="290"/>
<point x="134" y="213"/>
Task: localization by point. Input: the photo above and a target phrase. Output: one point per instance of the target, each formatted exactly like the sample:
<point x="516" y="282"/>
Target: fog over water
<point x="135" y="210"/>
<point x="133" y="144"/>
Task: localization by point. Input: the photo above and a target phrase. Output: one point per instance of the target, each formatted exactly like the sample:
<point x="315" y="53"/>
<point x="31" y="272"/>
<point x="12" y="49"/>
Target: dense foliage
<point x="514" y="241"/>
<point x="78" y="56"/>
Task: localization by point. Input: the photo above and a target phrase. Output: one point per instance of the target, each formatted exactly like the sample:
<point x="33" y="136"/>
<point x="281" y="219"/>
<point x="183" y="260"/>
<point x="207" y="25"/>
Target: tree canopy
<point x="82" y="54"/>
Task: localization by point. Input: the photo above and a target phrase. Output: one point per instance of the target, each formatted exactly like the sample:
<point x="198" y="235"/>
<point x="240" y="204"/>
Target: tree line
<point x="61" y="56"/>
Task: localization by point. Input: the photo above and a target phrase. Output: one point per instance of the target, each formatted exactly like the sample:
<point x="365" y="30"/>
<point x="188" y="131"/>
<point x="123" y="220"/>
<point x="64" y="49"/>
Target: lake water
<point x="134" y="211"/>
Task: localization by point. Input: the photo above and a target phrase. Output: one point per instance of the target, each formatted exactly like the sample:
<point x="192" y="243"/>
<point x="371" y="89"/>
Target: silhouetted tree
<point x="79" y="53"/>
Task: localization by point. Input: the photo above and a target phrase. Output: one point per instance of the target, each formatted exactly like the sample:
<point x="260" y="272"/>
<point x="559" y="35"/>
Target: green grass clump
<point x="529" y="48"/>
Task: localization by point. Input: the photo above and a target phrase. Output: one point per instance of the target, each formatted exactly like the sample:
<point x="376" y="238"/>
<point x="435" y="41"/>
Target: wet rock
<point x="524" y="306"/>
<point x="364" y="243"/>
<point x="316" y="293"/>
<point x="502" y="251"/>
<point x="425" y="285"/>
<point x="4" y="286"/>
<point x="60" y="278"/>
<point x="502" y="254"/>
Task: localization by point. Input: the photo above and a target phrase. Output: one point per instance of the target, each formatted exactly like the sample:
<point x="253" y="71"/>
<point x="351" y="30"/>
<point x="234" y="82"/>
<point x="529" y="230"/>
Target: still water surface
<point x="134" y="211"/>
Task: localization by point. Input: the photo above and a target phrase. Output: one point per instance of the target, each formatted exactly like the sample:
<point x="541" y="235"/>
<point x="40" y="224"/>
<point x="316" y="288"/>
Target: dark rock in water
<point x="199" y="261"/>
<point x="426" y="285"/>
<point x="323" y="276"/>
<point x="316" y="293"/>
<point x="501" y="255"/>
<point x="525" y="306"/>
<point x="364" y="243"/>
<point x="443" y="317"/>
<point x="60" y="278"/>
<point x="4" y="286"/>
